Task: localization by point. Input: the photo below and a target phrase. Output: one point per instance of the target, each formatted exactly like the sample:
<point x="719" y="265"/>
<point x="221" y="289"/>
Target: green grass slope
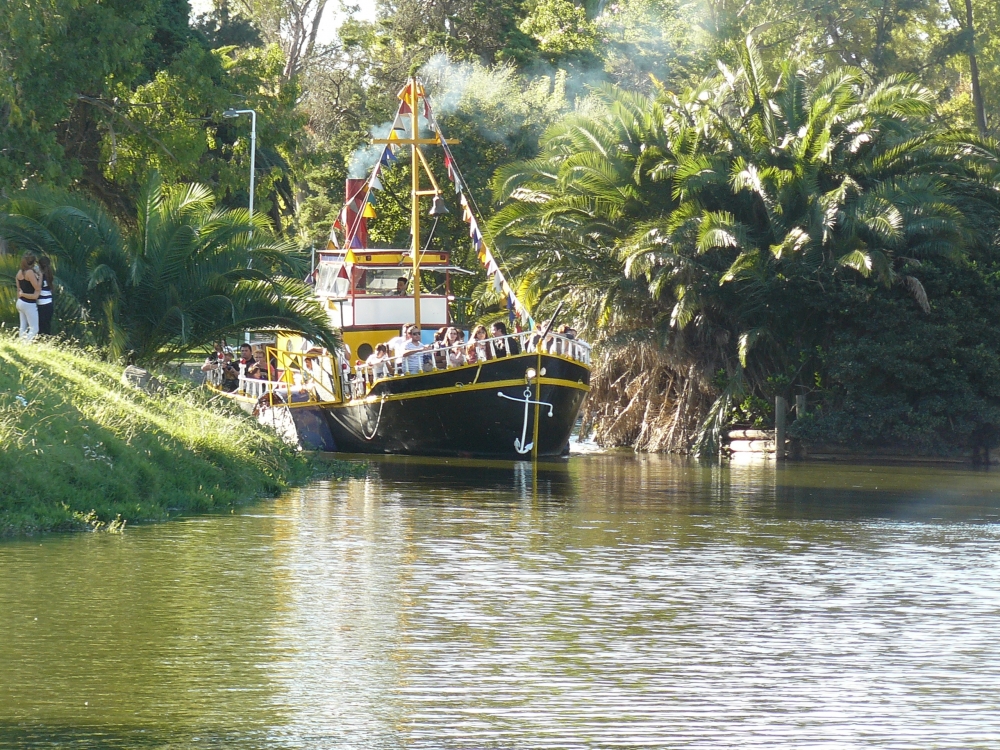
<point x="78" y="449"/>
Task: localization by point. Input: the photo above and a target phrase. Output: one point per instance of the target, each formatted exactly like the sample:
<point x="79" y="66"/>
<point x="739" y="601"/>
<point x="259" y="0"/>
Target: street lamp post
<point x="253" y="146"/>
<point x="230" y="113"/>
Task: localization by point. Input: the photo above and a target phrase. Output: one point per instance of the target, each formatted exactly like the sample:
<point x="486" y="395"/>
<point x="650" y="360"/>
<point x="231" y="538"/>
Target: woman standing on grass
<point x="28" y="290"/>
<point x="45" y="296"/>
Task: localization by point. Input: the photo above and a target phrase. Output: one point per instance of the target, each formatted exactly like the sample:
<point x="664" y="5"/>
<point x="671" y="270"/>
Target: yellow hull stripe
<point x="457" y="388"/>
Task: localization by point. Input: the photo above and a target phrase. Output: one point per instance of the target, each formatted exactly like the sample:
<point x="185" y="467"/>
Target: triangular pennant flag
<point x="427" y="108"/>
<point x="397" y="124"/>
<point x="369" y="212"/>
<point x="332" y="243"/>
<point x="376" y="183"/>
<point x="491" y="267"/>
<point x="370" y="198"/>
<point x="497" y="283"/>
<point x="350" y="259"/>
<point x="355" y="242"/>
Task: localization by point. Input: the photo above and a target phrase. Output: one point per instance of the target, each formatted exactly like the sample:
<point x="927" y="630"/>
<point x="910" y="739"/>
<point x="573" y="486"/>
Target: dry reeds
<point x="647" y="398"/>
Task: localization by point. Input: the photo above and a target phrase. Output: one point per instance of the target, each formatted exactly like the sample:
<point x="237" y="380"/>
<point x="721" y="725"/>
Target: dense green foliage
<point x="728" y="222"/>
<point x="79" y="449"/>
<point x="186" y="275"/>
<point x="894" y="376"/>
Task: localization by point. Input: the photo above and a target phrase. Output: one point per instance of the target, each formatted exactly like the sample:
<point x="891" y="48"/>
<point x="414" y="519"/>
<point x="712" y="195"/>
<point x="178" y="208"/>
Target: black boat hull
<point x="487" y="410"/>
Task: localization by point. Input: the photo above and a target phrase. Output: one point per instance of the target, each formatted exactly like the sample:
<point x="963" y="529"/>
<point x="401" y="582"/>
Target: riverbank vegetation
<point x="78" y="449"/>
<point x="733" y="201"/>
<point x="183" y="275"/>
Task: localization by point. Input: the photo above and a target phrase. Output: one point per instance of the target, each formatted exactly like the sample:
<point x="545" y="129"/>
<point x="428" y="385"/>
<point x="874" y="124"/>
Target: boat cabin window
<point x="332" y="280"/>
<point x="385" y="281"/>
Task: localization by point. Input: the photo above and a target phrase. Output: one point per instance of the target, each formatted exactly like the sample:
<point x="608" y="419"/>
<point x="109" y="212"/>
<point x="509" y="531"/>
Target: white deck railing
<point x="432" y="358"/>
<point x="303" y="379"/>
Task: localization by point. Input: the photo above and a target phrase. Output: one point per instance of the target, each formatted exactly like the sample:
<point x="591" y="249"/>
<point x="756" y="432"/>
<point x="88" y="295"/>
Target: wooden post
<point x="780" y="410"/>
<point x="800" y="406"/>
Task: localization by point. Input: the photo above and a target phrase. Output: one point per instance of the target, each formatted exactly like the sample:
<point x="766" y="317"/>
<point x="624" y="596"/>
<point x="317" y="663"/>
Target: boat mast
<point x="415" y="200"/>
<point x="409" y="95"/>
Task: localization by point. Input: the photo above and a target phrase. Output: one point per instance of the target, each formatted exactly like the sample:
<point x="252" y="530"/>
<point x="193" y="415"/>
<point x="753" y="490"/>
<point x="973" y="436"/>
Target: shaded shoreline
<point x="80" y="450"/>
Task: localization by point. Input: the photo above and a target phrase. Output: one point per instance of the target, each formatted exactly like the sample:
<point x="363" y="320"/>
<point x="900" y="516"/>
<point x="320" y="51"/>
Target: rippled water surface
<point x="614" y="602"/>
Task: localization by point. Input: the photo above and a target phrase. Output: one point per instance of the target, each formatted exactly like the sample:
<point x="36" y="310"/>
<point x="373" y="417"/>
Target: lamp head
<point x="437" y="207"/>
<point x="230" y="113"/>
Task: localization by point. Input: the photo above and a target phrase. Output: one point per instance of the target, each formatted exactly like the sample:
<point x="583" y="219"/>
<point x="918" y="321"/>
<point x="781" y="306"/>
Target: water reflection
<point x="613" y="601"/>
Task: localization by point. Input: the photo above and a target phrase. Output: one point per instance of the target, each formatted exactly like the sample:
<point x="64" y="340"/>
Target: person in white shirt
<point x="412" y="362"/>
<point x="395" y="347"/>
<point x="379" y="362"/>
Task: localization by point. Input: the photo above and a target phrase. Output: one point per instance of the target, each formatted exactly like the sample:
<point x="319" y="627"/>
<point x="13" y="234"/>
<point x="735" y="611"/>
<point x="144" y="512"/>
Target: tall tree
<point x="291" y="24"/>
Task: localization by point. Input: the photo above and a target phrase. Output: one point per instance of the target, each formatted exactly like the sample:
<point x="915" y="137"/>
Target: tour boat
<point x="516" y="397"/>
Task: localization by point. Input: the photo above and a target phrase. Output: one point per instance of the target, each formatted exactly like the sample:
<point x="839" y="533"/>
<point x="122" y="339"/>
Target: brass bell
<point x="437" y="207"/>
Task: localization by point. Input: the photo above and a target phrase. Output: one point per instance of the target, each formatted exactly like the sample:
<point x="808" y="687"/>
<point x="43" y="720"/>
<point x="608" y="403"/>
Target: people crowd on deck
<point x="404" y="354"/>
<point x="253" y="364"/>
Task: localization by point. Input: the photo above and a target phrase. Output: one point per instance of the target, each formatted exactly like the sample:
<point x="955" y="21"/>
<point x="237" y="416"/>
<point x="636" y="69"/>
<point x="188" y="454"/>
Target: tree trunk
<point x="977" y="93"/>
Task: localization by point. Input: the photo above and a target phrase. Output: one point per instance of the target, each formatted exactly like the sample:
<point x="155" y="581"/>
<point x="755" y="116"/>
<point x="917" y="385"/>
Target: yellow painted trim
<point x="461" y="388"/>
<point x="237" y="396"/>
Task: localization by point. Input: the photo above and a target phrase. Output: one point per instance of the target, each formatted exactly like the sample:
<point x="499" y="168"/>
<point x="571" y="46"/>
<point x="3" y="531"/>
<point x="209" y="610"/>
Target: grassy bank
<point x="80" y="450"/>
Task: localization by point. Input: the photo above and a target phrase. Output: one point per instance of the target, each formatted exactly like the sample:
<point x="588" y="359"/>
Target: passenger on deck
<point x="412" y="361"/>
<point x="505" y="346"/>
<point x="215" y="358"/>
<point x="440" y="350"/>
<point x="258" y="370"/>
<point x="534" y="339"/>
<point x="247" y="360"/>
<point x="396" y="343"/>
<point x="478" y="350"/>
<point x="230" y="373"/>
<point x="400" y="287"/>
<point x="379" y="362"/>
<point x="456" y="347"/>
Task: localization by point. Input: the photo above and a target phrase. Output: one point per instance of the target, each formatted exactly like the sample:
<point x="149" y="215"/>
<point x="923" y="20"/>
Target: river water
<point x="618" y="601"/>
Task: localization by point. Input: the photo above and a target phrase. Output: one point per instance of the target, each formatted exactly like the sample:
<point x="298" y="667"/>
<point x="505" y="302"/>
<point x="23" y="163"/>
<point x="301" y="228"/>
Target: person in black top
<point x="247" y="360"/>
<point x="230" y="373"/>
<point x="45" y="297"/>
<point x="28" y="289"/>
<point x="505" y="346"/>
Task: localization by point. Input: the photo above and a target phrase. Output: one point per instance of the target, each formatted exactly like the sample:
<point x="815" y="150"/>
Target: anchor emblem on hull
<point x="519" y="445"/>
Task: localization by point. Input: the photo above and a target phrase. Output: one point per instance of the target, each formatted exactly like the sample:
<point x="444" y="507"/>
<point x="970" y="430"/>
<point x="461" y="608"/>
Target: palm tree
<point x="184" y="275"/>
<point x="734" y="208"/>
